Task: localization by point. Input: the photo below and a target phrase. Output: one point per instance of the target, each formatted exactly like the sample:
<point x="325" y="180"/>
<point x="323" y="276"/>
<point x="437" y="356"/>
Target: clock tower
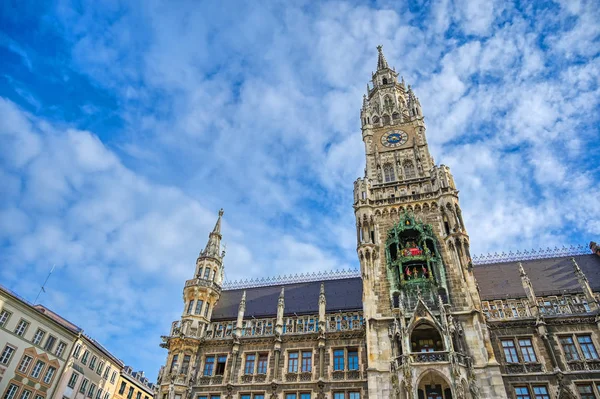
<point x="425" y="330"/>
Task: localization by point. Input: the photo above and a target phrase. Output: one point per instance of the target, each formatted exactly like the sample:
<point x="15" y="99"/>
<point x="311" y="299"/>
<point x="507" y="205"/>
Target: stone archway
<point x="434" y="385"/>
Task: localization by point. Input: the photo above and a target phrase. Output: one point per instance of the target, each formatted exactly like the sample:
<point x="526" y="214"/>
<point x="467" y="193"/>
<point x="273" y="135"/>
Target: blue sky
<point x="125" y="126"/>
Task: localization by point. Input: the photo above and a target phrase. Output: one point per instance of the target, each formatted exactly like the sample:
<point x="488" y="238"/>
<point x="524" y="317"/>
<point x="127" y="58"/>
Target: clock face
<point x="394" y="138"/>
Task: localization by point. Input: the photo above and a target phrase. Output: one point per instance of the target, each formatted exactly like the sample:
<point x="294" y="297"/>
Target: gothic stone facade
<point x="421" y="320"/>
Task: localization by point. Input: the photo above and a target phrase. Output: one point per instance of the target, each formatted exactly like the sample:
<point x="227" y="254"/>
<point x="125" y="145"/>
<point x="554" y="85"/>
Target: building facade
<point x="421" y="319"/>
<point x="133" y="385"/>
<point x="35" y="349"/>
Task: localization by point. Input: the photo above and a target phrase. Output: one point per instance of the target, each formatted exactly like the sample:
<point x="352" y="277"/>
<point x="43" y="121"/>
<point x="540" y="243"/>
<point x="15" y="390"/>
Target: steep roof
<point x="550" y="276"/>
<point x="300" y="298"/>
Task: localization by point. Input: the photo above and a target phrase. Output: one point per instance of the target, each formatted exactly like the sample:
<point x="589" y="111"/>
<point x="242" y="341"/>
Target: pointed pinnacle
<point x="381" y="61"/>
<point x="282" y="291"/>
<point x="521" y="270"/>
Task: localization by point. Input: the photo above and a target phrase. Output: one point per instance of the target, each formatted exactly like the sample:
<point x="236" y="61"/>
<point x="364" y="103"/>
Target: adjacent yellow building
<point x="133" y="385"/>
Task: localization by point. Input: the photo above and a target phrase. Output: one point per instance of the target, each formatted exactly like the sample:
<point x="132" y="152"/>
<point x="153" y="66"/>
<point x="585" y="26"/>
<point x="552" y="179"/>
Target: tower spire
<point x="213" y="245"/>
<point x="381" y="61"/>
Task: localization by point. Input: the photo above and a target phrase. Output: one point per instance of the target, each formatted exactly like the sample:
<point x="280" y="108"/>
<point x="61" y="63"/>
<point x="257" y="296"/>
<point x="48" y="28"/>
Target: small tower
<point x="201" y="293"/>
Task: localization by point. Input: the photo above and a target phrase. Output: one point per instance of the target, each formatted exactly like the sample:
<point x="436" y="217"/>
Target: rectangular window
<point x="7" y="354"/>
<point x="354" y="395"/>
<point x="206" y="273"/>
<point x="587" y="347"/>
<point x="77" y="351"/>
<point x="138" y="395"/>
<point x="338" y="359"/>
<point x="262" y="364"/>
<point x="292" y="362"/>
<point x="569" y="348"/>
<point x="107" y="395"/>
<point x="306" y="361"/>
<point x="25" y="362"/>
<point x="4" y="316"/>
<point x="25" y="394"/>
<point x="221" y="362"/>
<point x="122" y="388"/>
<point x="586" y="391"/>
<point x="540" y="392"/>
<point x="352" y="360"/>
<point x="199" y="304"/>
<point x="249" y="366"/>
<point x="185" y="365"/>
<point x="339" y="395"/>
<point x="113" y="377"/>
<point x="206" y="309"/>
<point x="91" y="391"/>
<point x="173" y="363"/>
<point x="39" y="397"/>
<point x="93" y="362"/>
<point x="106" y="373"/>
<point x="209" y="365"/>
<point x="49" y="374"/>
<point x="21" y="327"/>
<point x="305" y="395"/>
<point x="291" y="396"/>
<point x="522" y="393"/>
<point x="11" y="391"/>
<point x="50" y="343"/>
<point x="37" y="369"/>
<point x="38" y="336"/>
<point x="527" y="350"/>
<point x="100" y="368"/>
<point x="510" y="352"/>
<point x="83" y="385"/>
<point x="99" y="393"/>
<point x="190" y="307"/>
<point x="130" y="393"/>
<point x="86" y="354"/>
<point x="60" y="349"/>
<point x="73" y="380"/>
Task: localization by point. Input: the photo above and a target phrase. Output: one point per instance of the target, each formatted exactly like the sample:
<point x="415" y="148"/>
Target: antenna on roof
<point x="43" y="285"/>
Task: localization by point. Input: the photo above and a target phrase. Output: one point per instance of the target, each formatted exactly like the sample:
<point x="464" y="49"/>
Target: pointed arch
<point x="388" y="173"/>
<point x="409" y="169"/>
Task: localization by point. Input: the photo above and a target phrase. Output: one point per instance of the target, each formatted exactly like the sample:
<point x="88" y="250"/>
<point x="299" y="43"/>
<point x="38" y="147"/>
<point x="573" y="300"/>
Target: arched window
<point x="425" y="338"/>
<point x="385" y="81"/>
<point x="388" y="172"/>
<point x="388" y="102"/>
<point x="375" y="119"/>
<point x="386" y="119"/>
<point x="409" y="170"/>
<point x="396" y="116"/>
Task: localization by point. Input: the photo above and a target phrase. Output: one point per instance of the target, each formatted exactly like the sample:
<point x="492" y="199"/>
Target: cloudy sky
<point x="125" y="126"/>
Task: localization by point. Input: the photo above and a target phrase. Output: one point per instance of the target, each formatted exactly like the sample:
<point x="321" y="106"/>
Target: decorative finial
<point x="521" y="270"/>
<point x="380" y="48"/>
<point x="221" y="212"/>
<point x="282" y="291"/>
<point x="322" y="288"/>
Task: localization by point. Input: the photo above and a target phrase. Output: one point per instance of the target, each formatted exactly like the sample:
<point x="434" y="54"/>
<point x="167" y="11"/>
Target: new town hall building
<point x="421" y="319"/>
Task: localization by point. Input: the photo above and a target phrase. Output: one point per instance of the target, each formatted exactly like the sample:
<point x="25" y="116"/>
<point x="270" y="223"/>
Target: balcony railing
<point x="584" y="365"/>
<point x="548" y="306"/>
<point x="523" y="368"/>
<point x="431" y="357"/>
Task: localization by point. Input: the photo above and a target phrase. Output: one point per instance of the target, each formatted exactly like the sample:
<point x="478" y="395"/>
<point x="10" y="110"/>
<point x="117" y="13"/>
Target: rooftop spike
<point x="381" y="61"/>
<point x="213" y="246"/>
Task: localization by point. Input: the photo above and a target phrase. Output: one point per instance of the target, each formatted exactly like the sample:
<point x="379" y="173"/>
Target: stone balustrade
<point x="547" y="306"/>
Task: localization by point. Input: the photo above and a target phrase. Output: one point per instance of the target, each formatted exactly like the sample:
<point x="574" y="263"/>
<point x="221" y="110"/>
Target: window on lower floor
<point x="122" y="387"/>
<point x="49" y="345"/>
<point x="130" y="393"/>
<point x="262" y="363"/>
<point x="586" y="391"/>
<point x="221" y="363"/>
<point x="540" y="392"/>
<point x="138" y="395"/>
<point x="587" y="347"/>
<point x="510" y="351"/>
<point x="252" y="396"/>
<point x="292" y="362"/>
<point x="249" y="365"/>
<point x="209" y="365"/>
<point x="49" y="374"/>
<point x="38" y="336"/>
<point x="113" y="377"/>
<point x="21" y="327"/>
<point x="345" y="359"/>
<point x="83" y="385"/>
<point x="37" y="369"/>
<point x="85" y="356"/>
<point x="173" y="363"/>
<point x="99" y="393"/>
<point x="24" y="365"/>
<point x="39" y="397"/>
<point x="11" y="391"/>
<point x="91" y="391"/>
<point x="297" y="395"/>
<point x="185" y="365"/>
<point x="7" y="354"/>
<point x="93" y="362"/>
<point x="522" y="393"/>
<point x="60" y="349"/>
<point x="346" y="395"/>
<point x="569" y="348"/>
<point x="25" y="394"/>
<point x="73" y="380"/>
<point x="527" y="351"/>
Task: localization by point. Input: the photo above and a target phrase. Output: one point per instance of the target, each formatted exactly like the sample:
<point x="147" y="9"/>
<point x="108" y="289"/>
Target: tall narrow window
<point x="190" y="307"/>
<point x="527" y="350"/>
<point x="209" y="365"/>
<point x="25" y="362"/>
<point x="49" y="374"/>
<point x="262" y="364"/>
<point x="37" y="369"/>
<point x="292" y="362"/>
<point x="221" y="362"/>
<point x="206" y="273"/>
<point x="569" y="348"/>
<point x="11" y="391"/>
<point x="93" y="362"/>
<point x="173" y="363"/>
<point x="587" y="347"/>
<point x="4" y="316"/>
<point x="352" y="360"/>
<point x="60" y="349"/>
<point x="91" y="391"/>
<point x="72" y="380"/>
<point x="409" y="170"/>
<point x="106" y="373"/>
<point x="199" y="304"/>
<point x="7" y="354"/>
<point x="50" y="343"/>
<point x="83" y="385"/>
<point x="306" y="362"/>
<point x="249" y="366"/>
<point x="586" y="391"/>
<point x="39" y="335"/>
<point x="25" y="394"/>
<point x="338" y="359"/>
<point x="510" y="352"/>
<point x="185" y="365"/>
<point x="122" y="388"/>
<point x="21" y="327"/>
<point x="130" y="393"/>
<point x="206" y="309"/>
<point x="77" y="351"/>
<point x="388" y="173"/>
<point x="85" y="356"/>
